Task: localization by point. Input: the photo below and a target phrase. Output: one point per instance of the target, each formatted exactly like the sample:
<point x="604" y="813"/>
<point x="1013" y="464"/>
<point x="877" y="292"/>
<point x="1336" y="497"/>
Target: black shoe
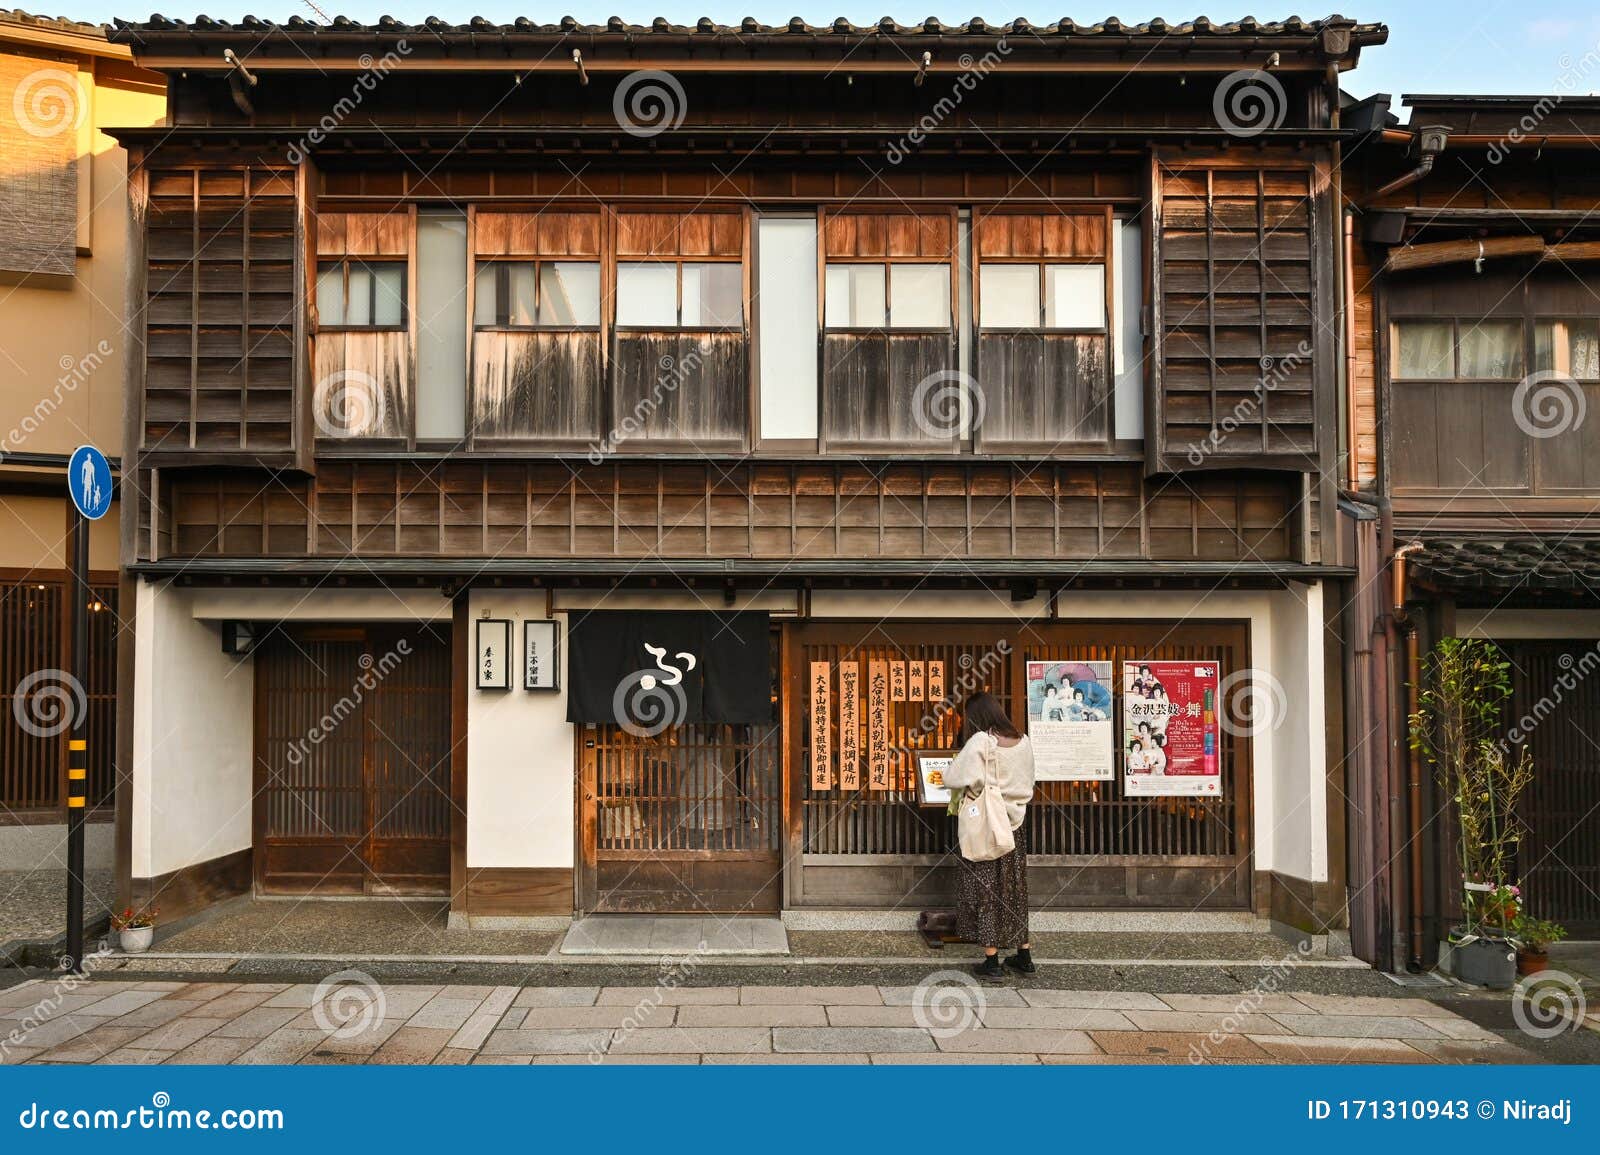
<point x="989" y="968"/>
<point x="1022" y="962"/>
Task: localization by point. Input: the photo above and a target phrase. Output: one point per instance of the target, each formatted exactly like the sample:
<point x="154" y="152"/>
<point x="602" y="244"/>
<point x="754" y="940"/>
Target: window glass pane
<point x="1075" y="296"/>
<point x="1422" y="350"/>
<point x="441" y="396"/>
<point x="330" y="294"/>
<point x="853" y="297"/>
<point x="484" y="294"/>
<point x="390" y="295"/>
<point x="713" y="295"/>
<point x="1491" y="349"/>
<point x="519" y="294"/>
<point x="1008" y="296"/>
<point x="569" y="293"/>
<point x="1568" y="347"/>
<point x="647" y="295"/>
<point x="919" y="296"/>
<point x="358" y="297"/>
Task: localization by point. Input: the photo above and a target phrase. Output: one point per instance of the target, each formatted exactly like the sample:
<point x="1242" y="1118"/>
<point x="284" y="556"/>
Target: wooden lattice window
<point x="1237" y="292"/>
<point x="220" y="310"/>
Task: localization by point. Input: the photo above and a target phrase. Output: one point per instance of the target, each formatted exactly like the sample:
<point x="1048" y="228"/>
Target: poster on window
<point x="1170" y="732"/>
<point x="1069" y="721"/>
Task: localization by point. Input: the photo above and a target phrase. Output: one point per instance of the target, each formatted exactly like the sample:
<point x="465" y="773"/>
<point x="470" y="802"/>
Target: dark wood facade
<point x="1068" y="328"/>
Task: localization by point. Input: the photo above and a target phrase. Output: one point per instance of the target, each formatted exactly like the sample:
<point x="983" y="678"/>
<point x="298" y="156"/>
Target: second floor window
<point x="355" y="294"/>
<point x="886" y="295"/>
<point x="680" y="295"/>
<point x="537" y="294"/>
<point x="1457" y="350"/>
<point x="1047" y="297"/>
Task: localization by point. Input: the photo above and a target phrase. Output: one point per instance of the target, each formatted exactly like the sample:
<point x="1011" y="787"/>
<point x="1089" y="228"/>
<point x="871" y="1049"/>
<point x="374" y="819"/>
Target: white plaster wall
<point x="520" y="754"/>
<point x="320" y="605"/>
<point x="192" y="737"/>
<point x="1550" y="625"/>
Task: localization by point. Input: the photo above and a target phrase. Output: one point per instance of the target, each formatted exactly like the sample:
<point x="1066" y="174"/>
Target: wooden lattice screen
<point x="1237" y="348"/>
<point x="35" y="652"/>
<point x="220" y="310"/>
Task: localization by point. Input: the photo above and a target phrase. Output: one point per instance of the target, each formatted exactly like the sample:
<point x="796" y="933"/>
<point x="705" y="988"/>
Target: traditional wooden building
<point x="868" y="365"/>
<point x="1475" y="333"/>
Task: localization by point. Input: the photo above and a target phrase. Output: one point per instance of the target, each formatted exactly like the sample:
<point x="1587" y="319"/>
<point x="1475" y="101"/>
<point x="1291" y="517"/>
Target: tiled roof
<point x="1523" y="564"/>
<point x="1293" y="27"/>
<point x="17" y="16"/>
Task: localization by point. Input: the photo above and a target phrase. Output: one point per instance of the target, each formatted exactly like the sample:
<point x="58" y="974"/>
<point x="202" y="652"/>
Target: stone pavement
<point x="33" y="903"/>
<point x="947" y="1019"/>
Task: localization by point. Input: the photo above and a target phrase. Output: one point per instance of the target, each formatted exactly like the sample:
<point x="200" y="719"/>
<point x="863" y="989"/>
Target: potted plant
<point x="135" y="929"/>
<point x="1457" y="727"/>
<point x="1534" y="936"/>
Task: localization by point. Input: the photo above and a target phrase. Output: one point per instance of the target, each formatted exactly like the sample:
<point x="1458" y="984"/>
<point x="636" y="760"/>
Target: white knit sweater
<point x="1013" y="772"/>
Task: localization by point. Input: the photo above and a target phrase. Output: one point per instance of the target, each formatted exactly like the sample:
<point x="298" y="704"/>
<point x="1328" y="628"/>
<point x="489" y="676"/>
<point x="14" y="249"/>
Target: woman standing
<point x="992" y="897"/>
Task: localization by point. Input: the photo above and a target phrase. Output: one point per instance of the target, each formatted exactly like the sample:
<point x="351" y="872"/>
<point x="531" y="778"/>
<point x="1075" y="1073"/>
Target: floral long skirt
<point x="992" y="898"/>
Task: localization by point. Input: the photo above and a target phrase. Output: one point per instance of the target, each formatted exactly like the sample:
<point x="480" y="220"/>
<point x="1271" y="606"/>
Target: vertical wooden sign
<point x="935" y="681"/>
<point x="821" y="716"/>
<point x="897" y="681"/>
<point x="914" y="681"/>
<point x="849" y="726"/>
<point x="878" y="725"/>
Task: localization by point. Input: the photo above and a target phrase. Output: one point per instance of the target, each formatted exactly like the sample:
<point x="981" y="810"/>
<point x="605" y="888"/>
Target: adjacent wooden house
<point x="927" y="353"/>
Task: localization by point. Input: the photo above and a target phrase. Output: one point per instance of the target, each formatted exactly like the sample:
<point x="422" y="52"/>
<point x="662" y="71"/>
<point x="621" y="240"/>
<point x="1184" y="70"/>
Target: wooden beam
<point x="1455" y="252"/>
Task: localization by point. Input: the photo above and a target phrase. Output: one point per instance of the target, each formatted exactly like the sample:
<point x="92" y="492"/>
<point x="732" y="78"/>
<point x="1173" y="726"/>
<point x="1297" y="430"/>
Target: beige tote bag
<point x="983" y="825"/>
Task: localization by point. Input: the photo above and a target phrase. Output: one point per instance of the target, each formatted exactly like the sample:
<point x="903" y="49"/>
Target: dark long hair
<point x="981" y="713"/>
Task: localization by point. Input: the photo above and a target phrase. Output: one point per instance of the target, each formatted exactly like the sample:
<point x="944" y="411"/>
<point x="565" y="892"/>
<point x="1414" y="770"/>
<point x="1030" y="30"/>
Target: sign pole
<point x="77" y="744"/>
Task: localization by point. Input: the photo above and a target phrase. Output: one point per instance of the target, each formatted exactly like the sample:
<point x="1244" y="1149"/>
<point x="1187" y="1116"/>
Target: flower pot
<point x="1531" y="962"/>
<point x="136" y="939"/>
<point x="1485" y="962"/>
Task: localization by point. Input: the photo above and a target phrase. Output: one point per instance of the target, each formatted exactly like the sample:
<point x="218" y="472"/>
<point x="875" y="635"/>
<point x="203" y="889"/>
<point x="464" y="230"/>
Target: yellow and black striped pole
<point x="78" y="743"/>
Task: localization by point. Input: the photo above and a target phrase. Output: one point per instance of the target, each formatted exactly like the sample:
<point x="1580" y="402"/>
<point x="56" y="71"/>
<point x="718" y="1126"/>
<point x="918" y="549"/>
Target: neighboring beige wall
<point x="34" y="534"/>
<point x="62" y="345"/>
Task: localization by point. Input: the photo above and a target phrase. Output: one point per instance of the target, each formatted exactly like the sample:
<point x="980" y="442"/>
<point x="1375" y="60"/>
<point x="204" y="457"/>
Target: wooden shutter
<point x="220" y="311"/>
<point x="1239" y="256"/>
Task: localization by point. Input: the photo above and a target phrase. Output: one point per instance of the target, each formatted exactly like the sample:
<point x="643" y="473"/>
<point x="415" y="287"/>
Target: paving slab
<point x="1307" y="1049"/>
<point x="91" y="1046"/>
<point x="668" y="996"/>
<point x="556" y="996"/>
<point x="824" y="996"/>
<point x="951" y="1059"/>
<point x="1012" y="1041"/>
<point x="759" y="1015"/>
<point x="568" y="1018"/>
<point x="257" y="1023"/>
<point x="693" y="1040"/>
<point x="909" y="996"/>
<point x="1210" y="1021"/>
<point x="133" y="1057"/>
<point x="844" y="1040"/>
<point x="1055" y="1018"/>
<point x="1471" y="1051"/>
<point x="1092" y="1000"/>
<point x="286" y="1045"/>
<point x="213" y="1049"/>
<point x="412" y="1045"/>
<point x="1178" y="1045"/>
<point x="548" y="1042"/>
<point x="1350" y="1026"/>
<point x="179" y="1033"/>
<point x="1407" y="1005"/>
<point x="1249" y="1002"/>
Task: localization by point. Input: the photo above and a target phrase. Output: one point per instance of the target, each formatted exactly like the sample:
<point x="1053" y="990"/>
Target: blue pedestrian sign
<point x="89" y="482"/>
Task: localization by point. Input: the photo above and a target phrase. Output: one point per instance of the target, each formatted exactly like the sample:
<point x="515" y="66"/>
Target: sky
<point x="1461" y="47"/>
